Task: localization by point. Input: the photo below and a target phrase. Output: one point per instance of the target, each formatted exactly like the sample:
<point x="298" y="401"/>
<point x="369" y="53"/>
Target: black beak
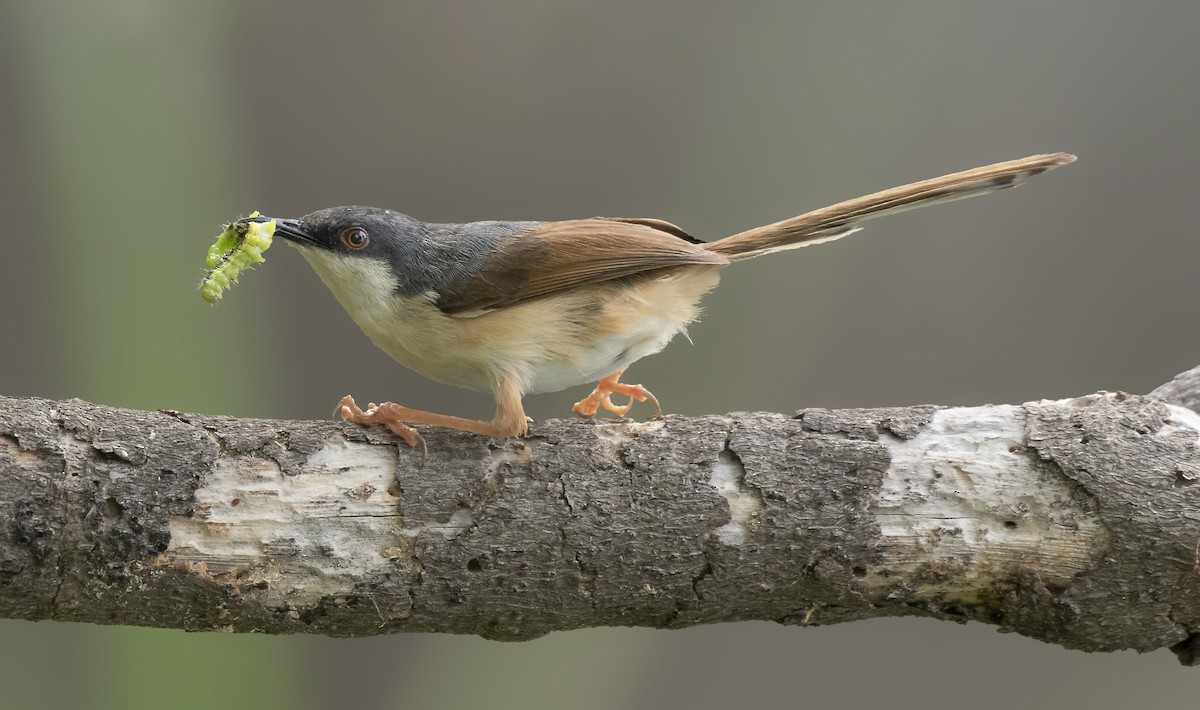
<point x="290" y="229"/>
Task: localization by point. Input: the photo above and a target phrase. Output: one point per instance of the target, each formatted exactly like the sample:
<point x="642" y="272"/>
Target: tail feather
<point x="836" y="221"/>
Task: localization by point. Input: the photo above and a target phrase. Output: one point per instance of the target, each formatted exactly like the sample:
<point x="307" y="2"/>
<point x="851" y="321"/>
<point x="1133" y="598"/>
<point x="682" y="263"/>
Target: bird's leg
<point x="509" y="420"/>
<point x="602" y="397"/>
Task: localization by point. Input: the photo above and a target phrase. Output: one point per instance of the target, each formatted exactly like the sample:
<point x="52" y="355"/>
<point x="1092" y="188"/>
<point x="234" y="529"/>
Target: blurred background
<point x="130" y="130"/>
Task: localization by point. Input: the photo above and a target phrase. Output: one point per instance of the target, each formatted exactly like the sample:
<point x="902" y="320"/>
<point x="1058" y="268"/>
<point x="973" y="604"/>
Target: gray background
<point x="130" y="130"/>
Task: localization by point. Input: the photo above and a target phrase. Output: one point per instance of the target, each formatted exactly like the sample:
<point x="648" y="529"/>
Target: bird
<point x="523" y="307"/>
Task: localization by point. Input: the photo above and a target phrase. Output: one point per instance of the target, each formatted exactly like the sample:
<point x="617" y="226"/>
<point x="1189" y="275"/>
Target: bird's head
<point x="364" y="255"/>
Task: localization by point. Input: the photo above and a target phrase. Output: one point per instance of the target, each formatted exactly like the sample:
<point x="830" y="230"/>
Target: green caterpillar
<point x="237" y="248"/>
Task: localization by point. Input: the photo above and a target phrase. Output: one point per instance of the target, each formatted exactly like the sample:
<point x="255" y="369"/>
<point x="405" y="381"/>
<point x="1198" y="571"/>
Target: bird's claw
<point x="384" y="414"/>
<point x="602" y="397"/>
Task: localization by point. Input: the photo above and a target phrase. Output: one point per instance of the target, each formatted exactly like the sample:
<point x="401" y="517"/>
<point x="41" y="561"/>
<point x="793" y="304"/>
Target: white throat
<point x="363" y="286"/>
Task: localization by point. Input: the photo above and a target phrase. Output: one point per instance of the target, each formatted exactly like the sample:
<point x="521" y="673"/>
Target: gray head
<point x="366" y="255"/>
<point x="368" y="232"/>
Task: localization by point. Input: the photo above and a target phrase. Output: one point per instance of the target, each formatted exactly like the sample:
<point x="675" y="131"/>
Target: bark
<point x="1076" y="521"/>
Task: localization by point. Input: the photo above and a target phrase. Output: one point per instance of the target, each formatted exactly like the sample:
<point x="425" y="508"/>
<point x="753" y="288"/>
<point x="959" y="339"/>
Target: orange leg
<point x="509" y="420"/>
<point x="602" y="397"/>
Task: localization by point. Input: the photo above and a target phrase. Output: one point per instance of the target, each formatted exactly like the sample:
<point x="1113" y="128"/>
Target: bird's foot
<point x="602" y="397"/>
<point x="394" y="416"/>
<point x="388" y="414"/>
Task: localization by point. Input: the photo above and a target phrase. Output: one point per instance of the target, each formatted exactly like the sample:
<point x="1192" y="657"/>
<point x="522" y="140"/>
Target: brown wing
<point x="659" y="224"/>
<point x="556" y="256"/>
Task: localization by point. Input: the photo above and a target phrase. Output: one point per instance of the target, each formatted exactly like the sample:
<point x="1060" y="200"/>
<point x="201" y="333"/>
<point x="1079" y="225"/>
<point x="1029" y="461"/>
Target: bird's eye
<point x="355" y="238"/>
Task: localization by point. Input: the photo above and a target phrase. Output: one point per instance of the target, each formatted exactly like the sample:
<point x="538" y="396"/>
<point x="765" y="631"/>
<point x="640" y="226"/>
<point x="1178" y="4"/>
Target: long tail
<point x="836" y="221"/>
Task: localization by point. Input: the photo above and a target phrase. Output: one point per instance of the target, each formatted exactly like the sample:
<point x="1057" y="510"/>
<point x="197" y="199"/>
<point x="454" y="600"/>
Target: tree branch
<point x="1076" y="522"/>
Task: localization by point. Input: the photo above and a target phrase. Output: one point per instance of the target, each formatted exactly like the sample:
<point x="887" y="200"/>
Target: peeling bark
<point x="1076" y="522"/>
